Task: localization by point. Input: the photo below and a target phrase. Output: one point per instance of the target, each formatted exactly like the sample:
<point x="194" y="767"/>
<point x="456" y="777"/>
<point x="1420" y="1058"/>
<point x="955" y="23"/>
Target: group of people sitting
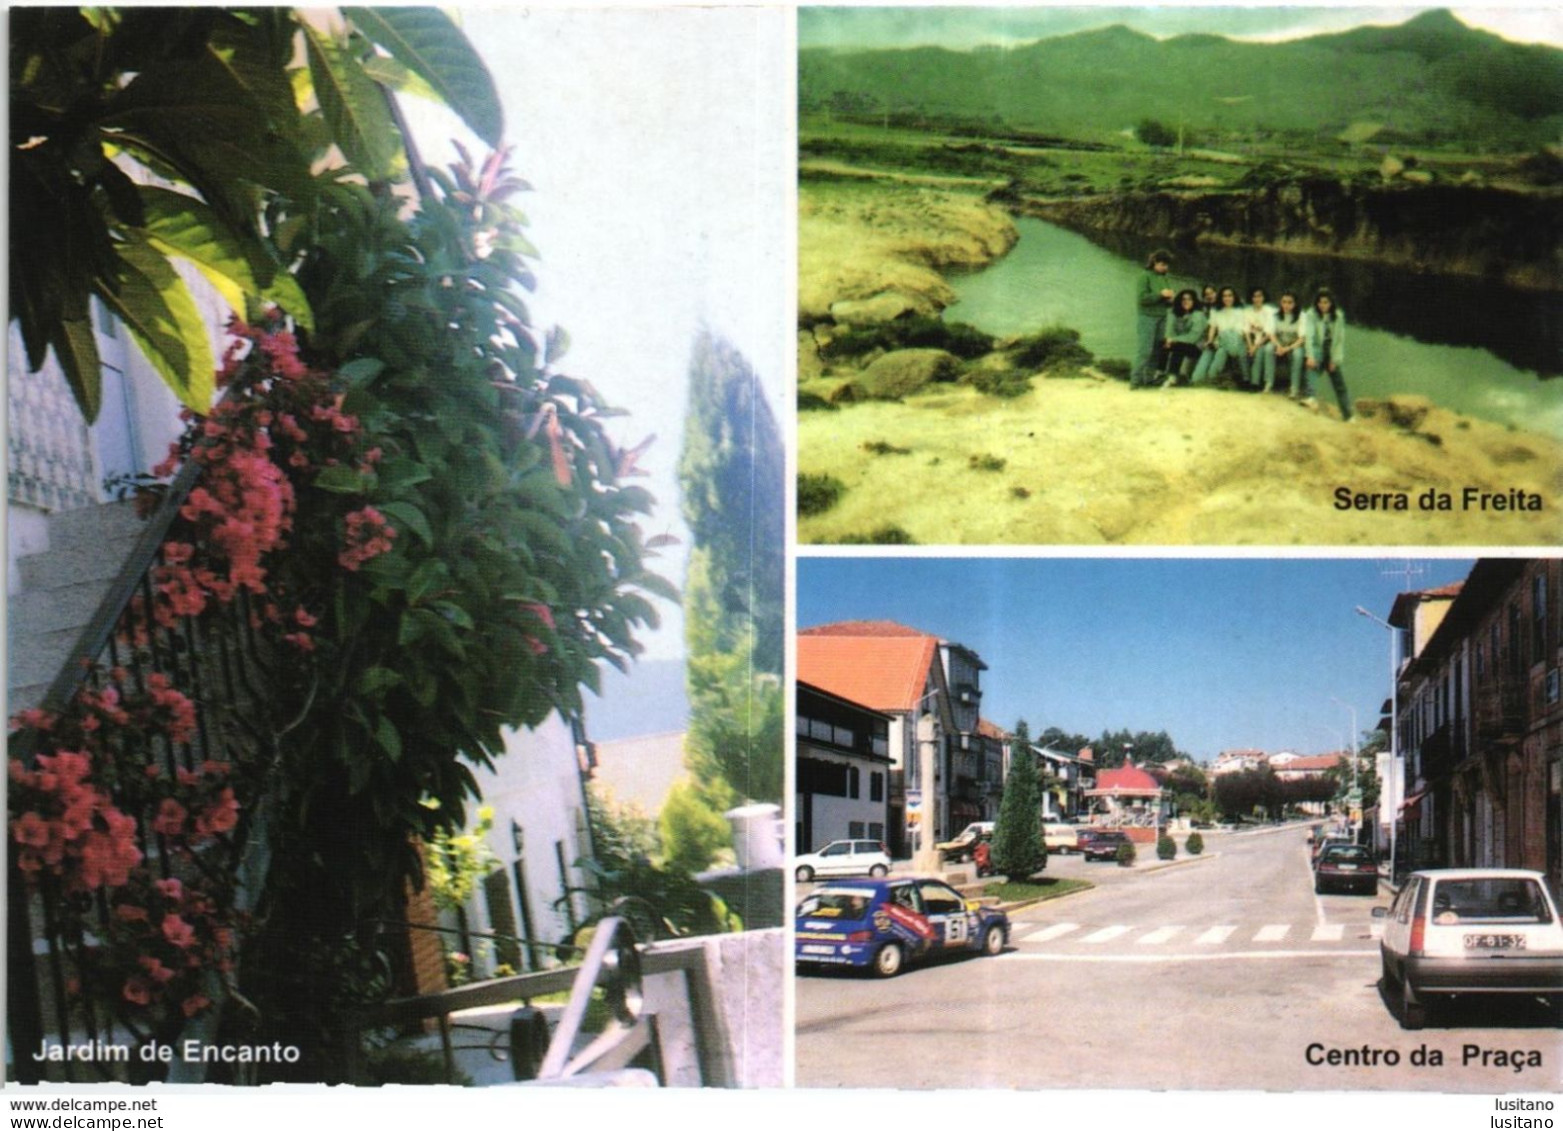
<point x="1184" y="337"/>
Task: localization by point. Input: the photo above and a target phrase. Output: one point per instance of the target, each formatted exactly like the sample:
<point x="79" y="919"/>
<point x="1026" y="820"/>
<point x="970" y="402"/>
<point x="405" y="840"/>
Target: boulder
<point x="884" y="307"/>
<point x="904" y="372"/>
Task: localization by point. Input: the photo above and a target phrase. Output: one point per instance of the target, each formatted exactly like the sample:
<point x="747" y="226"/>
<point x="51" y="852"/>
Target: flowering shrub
<point x="422" y="530"/>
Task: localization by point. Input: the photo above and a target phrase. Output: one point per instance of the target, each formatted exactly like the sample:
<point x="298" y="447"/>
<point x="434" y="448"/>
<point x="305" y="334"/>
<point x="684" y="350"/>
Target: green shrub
<point x="884" y="536"/>
<point x="999" y="382"/>
<point x="813" y="402"/>
<point x="818" y="493"/>
<point x="1126" y="854"/>
<point x="916" y="332"/>
<point x="1195" y="844"/>
<point x="884" y="448"/>
<point x="1166" y="847"/>
<point x="1057" y="347"/>
<point x="1115" y="367"/>
<point x="985" y="462"/>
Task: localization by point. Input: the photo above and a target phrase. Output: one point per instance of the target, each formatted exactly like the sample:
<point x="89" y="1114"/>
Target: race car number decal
<point x="956" y="930"/>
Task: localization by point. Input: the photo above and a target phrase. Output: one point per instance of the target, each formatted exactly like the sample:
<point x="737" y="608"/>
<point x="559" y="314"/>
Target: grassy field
<point x="1037" y="889"/>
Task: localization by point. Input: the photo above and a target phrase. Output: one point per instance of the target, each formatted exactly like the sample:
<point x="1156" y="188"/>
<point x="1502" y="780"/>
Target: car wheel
<point x="805" y="874"/>
<point x="878" y="871"/>
<point x="1318" y="888"/>
<point x="1389" y="970"/>
<point x="1413" y="1014"/>
<point x="887" y="960"/>
<point x="993" y="940"/>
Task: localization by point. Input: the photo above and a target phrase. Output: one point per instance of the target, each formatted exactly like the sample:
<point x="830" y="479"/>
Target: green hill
<point x="1431" y="80"/>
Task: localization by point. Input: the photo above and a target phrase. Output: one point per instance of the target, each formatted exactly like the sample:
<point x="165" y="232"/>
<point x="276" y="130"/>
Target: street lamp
<point x="1392" y="787"/>
<point x="1356" y="792"/>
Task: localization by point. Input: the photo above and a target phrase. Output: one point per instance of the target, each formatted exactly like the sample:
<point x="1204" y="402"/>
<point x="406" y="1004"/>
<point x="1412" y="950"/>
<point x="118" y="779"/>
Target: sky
<point x="973" y="26"/>
<point x="1222" y="653"/>
<point x="659" y="148"/>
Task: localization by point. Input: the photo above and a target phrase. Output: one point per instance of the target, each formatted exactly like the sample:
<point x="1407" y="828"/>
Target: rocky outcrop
<point x="904" y="372"/>
<point x="1495" y="233"/>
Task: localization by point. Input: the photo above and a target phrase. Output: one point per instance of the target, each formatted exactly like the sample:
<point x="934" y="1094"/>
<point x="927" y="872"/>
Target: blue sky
<point x="1221" y="653"/>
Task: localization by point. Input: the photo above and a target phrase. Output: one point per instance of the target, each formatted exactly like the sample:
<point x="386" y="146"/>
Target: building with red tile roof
<point x="905" y="674"/>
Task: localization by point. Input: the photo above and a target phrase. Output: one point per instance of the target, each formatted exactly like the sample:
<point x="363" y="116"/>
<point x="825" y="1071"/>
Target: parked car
<point x="1326" y="842"/>
<point x="881" y="925"/>
<point x="1102" y="844"/>
<point x="1349" y="867"/>
<point x="965" y="842"/>
<point x="843" y="858"/>
<point x="1060" y="838"/>
<point x="1457" y="931"/>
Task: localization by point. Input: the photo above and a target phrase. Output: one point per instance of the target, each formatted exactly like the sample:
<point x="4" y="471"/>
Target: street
<point x="1224" y="972"/>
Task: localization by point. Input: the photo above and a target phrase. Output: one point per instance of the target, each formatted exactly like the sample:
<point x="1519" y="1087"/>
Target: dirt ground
<point x="1090" y="462"/>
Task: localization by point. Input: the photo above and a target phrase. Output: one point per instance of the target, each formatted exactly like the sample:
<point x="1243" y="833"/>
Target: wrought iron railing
<point x="216" y="661"/>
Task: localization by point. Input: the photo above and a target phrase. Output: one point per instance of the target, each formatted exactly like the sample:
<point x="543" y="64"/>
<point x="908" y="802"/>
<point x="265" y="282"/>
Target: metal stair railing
<point x="218" y="662"/>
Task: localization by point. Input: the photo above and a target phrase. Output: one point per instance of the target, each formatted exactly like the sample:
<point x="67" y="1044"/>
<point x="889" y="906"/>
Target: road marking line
<point x="1329" y="932"/>
<point x="1273" y="932"/>
<point x="1043" y="934"/>
<point x="1104" y="934"/>
<point x="1159" y="935"/>
<point x="1215" y="935"/>
<point x="1220" y="956"/>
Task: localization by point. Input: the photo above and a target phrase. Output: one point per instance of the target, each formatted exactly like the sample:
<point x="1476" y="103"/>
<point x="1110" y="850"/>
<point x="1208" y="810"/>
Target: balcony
<point x="1500" y="712"/>
<point x="1443" y="750"/>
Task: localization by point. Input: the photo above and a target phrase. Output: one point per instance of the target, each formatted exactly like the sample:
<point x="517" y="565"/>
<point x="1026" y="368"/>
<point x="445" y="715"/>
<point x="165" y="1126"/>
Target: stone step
<point x="75" y="565"/>
<point x="35" y="612"/>
<point x="40" y="658"/>
<point x="86" y="527"/>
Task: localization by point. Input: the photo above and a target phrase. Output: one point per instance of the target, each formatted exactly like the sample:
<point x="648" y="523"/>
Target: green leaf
<point x="361" y="370"/>
<point x="425" y="578"/>
<point x="410" y="517"/>
<point x="388" y="738"/>
<point x="401" y="472"/>
<point x="76" y="349"/>
<point x="155" y="306"/>
<point x="556" y="345"/>
<point x="378" y="679"/>
<point x="429" y="44"/>
<point x="354" y="107"/>
<point x="340" y="479"/>
<point x="178" y="224"/>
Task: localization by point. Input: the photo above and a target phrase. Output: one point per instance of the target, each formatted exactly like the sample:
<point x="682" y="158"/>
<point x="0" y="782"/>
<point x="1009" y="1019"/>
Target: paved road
<point x="1224" y="973"/>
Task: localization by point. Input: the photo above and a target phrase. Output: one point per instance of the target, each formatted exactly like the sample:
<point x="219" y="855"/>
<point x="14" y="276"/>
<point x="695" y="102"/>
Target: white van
<point x="1060" y="838"/>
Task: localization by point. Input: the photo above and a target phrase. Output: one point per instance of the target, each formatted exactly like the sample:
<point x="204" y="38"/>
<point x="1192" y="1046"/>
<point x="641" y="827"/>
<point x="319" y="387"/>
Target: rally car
<point x="880" y="925"/>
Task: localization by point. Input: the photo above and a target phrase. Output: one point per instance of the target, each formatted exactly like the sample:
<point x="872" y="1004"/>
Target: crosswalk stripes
<point x="1272" y="932"/>
<point x="1159" y="935"/>
<point x="1047" y="934"/>
<point x="1215" y="936"/>
<point x="1105" y="934"/>
<point x="1328" y="932"/>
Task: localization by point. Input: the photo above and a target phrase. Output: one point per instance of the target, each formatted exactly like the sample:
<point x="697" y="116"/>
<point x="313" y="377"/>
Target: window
<point x="855" y="828"/>
<point x="820" y="730"/>
<point x="841" y="736"/>
<point x="800" y="725"/>
<point x="881" y="746"/>
<point x="876" y="787"/>
<point x="876" y="830"/>
<point x="853" y="783"/>
<point x="1538" y="616"/>
<point x="1515" y="653"/>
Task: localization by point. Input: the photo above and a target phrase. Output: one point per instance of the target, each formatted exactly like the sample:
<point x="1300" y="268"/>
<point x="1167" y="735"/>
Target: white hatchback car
<point x="844" y="858"/>
<point x="1470" y="931"/>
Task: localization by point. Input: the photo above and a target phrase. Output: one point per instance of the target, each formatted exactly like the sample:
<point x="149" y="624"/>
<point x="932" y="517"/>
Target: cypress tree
<point x="1018" y="848"/>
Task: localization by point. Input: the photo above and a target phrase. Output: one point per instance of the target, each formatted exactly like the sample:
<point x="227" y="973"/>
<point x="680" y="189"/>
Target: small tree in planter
<point x="1018" y="850"/>
<point x="1126" y="854"/>
<point x="1166" y="847"/>
<point x="1195" y="844"/>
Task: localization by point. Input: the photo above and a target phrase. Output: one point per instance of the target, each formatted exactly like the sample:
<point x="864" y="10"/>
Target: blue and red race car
<point x="883" y="924"/>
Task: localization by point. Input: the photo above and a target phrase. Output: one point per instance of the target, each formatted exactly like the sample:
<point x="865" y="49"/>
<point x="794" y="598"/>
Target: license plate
<point x="809" y="948"/>
<point x="1494" y="942"/>
<point x="1346" y="867"/>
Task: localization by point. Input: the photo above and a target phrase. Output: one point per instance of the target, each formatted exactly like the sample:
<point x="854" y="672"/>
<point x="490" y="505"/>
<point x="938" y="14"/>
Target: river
<point x="1469" y="346"/>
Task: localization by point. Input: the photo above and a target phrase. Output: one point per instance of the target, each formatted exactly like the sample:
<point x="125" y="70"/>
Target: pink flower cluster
<point x="366" y="536"/>
<point x="68" y="826"/>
